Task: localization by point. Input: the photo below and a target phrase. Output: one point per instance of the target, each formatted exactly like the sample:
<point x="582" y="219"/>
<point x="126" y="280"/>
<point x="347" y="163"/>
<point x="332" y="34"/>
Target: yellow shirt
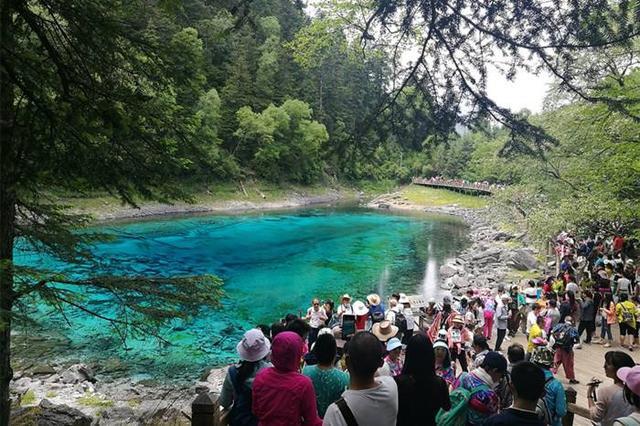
<point x="628" y="306"/>
<point x="534" y="333"/>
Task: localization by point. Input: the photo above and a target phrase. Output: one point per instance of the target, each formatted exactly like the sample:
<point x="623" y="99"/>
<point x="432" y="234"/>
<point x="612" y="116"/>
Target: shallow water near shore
<point x="272" y="263"/>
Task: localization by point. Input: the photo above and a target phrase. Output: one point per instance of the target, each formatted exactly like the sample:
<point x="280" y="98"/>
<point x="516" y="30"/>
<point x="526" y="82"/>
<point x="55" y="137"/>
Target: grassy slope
<point x="432" y="197"/>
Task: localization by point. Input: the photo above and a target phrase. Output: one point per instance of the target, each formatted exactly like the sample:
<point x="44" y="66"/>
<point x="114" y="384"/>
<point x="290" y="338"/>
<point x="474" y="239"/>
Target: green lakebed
<point x="272" y="264"/>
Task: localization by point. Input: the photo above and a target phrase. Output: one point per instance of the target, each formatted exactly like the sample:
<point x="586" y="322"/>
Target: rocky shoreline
<point x="74" y="395"/>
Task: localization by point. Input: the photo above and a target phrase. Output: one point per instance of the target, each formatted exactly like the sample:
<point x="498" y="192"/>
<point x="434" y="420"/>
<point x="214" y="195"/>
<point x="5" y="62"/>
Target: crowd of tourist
<point x="384" y="363"/>
<point x="463" y="183"/>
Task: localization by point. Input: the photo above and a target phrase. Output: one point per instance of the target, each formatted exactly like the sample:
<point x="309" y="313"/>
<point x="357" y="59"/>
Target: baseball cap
<point x="495" y="360"/>
<point x="631" y="378"/>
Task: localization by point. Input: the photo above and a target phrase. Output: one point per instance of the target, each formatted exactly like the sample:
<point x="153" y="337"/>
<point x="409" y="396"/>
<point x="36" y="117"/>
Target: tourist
<point x="609" y="318"/>
<point x="479" y="311"/>
<point x="459" y="340"/>
<point x="502" y="316"/>
<point x="301" y="328"/>
<point x="253" y="350"/>
<point x="527" y="387"/>
<point x="631" y="379"/>
<point x="555" y="400"/>
<point x="623" y="284"/>
<point x="489" y="313"/>
<point x="390" y="315"/>
<point x="515" y="354"/>
<point x="531" y="294"/>
<point x="610" y="403"/>
<point x="626" y="312"/>
<point x="361" y="312"/>
<point x="565" y="336"/>
<point x="484" y="402"/>
<point x="587" y="317"/>
<point x="276" y="328"/>
<point x="408" y="315"/>
<point x="328" y="382"/>
<point x="345" y="306"/>
<point x="444" y="367"/>
<point x="329" y="310"/>
<point x="516" y="303"/>
<point x="421" y="393"/>
<point x="532" y="317"/>
<point x="570" y="307"/>
<point x="370" y="401"/>
<point x="384" y="331"/>
<point x="553" y="313"/>
<point x="480" y="348"/>
<point x="536" y="331"/>
<point x="281" y="395"/>
<point x="392" y="362"/>
<point x="316" y="316"/>
<point x="470" y="319"/>
<point x="376" y="309"/>
<point x="430" y="311"/>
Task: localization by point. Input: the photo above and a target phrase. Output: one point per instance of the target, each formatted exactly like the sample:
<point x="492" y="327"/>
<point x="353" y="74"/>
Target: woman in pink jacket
<point x="281" y="395"/>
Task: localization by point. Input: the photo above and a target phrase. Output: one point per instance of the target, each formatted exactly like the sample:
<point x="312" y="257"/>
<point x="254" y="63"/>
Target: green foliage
<point x="282" y="142"/>
<point x="28" y="398"/>
<point x="93" y="400"/>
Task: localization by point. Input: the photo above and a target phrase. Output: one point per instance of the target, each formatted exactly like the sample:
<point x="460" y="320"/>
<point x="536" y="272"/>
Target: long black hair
<point x="420" y="360"/>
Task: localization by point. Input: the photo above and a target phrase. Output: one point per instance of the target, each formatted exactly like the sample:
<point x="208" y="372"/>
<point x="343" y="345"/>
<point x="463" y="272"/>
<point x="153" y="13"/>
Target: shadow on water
<point x="271" y="263"/>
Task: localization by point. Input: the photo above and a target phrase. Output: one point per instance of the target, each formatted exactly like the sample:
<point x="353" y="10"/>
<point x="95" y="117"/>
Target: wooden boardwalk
<point x="467" y="188"/>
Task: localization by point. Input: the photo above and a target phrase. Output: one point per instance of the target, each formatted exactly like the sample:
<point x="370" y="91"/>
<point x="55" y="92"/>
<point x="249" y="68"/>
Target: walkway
<point x="456" y="185"/>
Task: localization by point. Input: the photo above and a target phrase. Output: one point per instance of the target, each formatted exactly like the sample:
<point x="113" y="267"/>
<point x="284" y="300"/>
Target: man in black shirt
<point x="527" y="387"/>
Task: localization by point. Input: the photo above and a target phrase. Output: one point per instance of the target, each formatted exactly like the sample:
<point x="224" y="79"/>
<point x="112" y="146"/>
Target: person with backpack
<point x="553" y="406"/>
<point x="281" y="395"/>
<point x="626" y="312"/>
<point x="527" y="387"/>
<point x="376" y="308"/>
<point x="565" y="336"/>
<point x="370" y="400"/>
<point x="631" y="378"/>
<point x="609" y="403"/>
<point x="473" y="399"/>
<point x="236" y="389"/>
<point x="408" y="318"/>
<point x="421" y="393"/>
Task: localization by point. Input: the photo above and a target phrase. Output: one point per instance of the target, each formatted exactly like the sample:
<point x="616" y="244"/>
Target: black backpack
<point x="241" y="414"/>
<point x="401" y="322"/>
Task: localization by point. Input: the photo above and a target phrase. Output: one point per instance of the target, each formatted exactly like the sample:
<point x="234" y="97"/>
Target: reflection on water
<point x="272" y="264"/>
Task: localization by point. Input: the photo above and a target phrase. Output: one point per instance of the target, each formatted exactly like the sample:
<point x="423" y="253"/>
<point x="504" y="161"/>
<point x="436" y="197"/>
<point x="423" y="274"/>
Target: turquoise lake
<point x="271" y="263"/>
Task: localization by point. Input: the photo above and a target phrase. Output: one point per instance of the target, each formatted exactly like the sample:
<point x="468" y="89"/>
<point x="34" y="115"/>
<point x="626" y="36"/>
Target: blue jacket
<point x="555" y="399"/>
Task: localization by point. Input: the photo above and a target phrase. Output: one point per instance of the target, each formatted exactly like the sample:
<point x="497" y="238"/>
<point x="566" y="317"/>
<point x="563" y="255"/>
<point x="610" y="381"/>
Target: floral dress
<point x="447" y="374"/>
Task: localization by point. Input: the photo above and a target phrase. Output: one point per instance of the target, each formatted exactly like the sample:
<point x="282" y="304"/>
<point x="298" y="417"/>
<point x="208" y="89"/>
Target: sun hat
<point x="458" y="319"/>
<point x="373" y="299"/>
<point x="495" y="360"/>
<point x="432" y="300"/>
<point x="384" y="330"/>
<point x="403" y="298"/>
<point x="253" y="346"/>
<point x="631" y="378"/>
<point x="345" y="296"/>
<point x="440" y="344"/>
<point x="359" y="308"/>
<point x="393" y="343"/>
<point x="325" y="330"/>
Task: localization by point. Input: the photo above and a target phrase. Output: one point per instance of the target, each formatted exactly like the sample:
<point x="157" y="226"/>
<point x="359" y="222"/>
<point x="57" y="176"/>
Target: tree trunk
<point x="7" y="212"/>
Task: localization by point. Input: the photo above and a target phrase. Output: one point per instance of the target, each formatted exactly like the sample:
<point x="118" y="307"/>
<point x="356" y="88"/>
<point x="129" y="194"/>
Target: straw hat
<point x="373" y="299"/>
<point x="345" y="296"/>
<point x="359" y="308"/>
<point x="253" y="346"/>
<point x="458" y="319"/>
<point x="384" y="330"/>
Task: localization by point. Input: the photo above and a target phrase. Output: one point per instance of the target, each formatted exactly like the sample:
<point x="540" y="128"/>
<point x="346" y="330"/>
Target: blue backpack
<point x="241" y="414"/>
<point x="377" y="313"/>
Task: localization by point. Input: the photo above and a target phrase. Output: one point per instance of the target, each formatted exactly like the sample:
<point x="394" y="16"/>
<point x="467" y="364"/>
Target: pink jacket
<point x="281" y="395"/>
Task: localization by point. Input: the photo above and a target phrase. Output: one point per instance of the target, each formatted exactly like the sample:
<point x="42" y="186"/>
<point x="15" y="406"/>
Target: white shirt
<point x="377" y="406"/>
<point x="408" y="314"/>
<point x="345" y="309"/>
<point x="530" y="295"/>
<point x="316" y="318"/>
<point x="531" y="319"/>
<point x="391" y="315"/>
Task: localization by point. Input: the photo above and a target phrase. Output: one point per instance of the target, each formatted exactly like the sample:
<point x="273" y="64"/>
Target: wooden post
<point x="571" y="395"/>
<point x="204" y="410"/>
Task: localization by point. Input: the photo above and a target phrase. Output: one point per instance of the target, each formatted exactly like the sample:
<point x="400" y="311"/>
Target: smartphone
<point x="348" y="326"/>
